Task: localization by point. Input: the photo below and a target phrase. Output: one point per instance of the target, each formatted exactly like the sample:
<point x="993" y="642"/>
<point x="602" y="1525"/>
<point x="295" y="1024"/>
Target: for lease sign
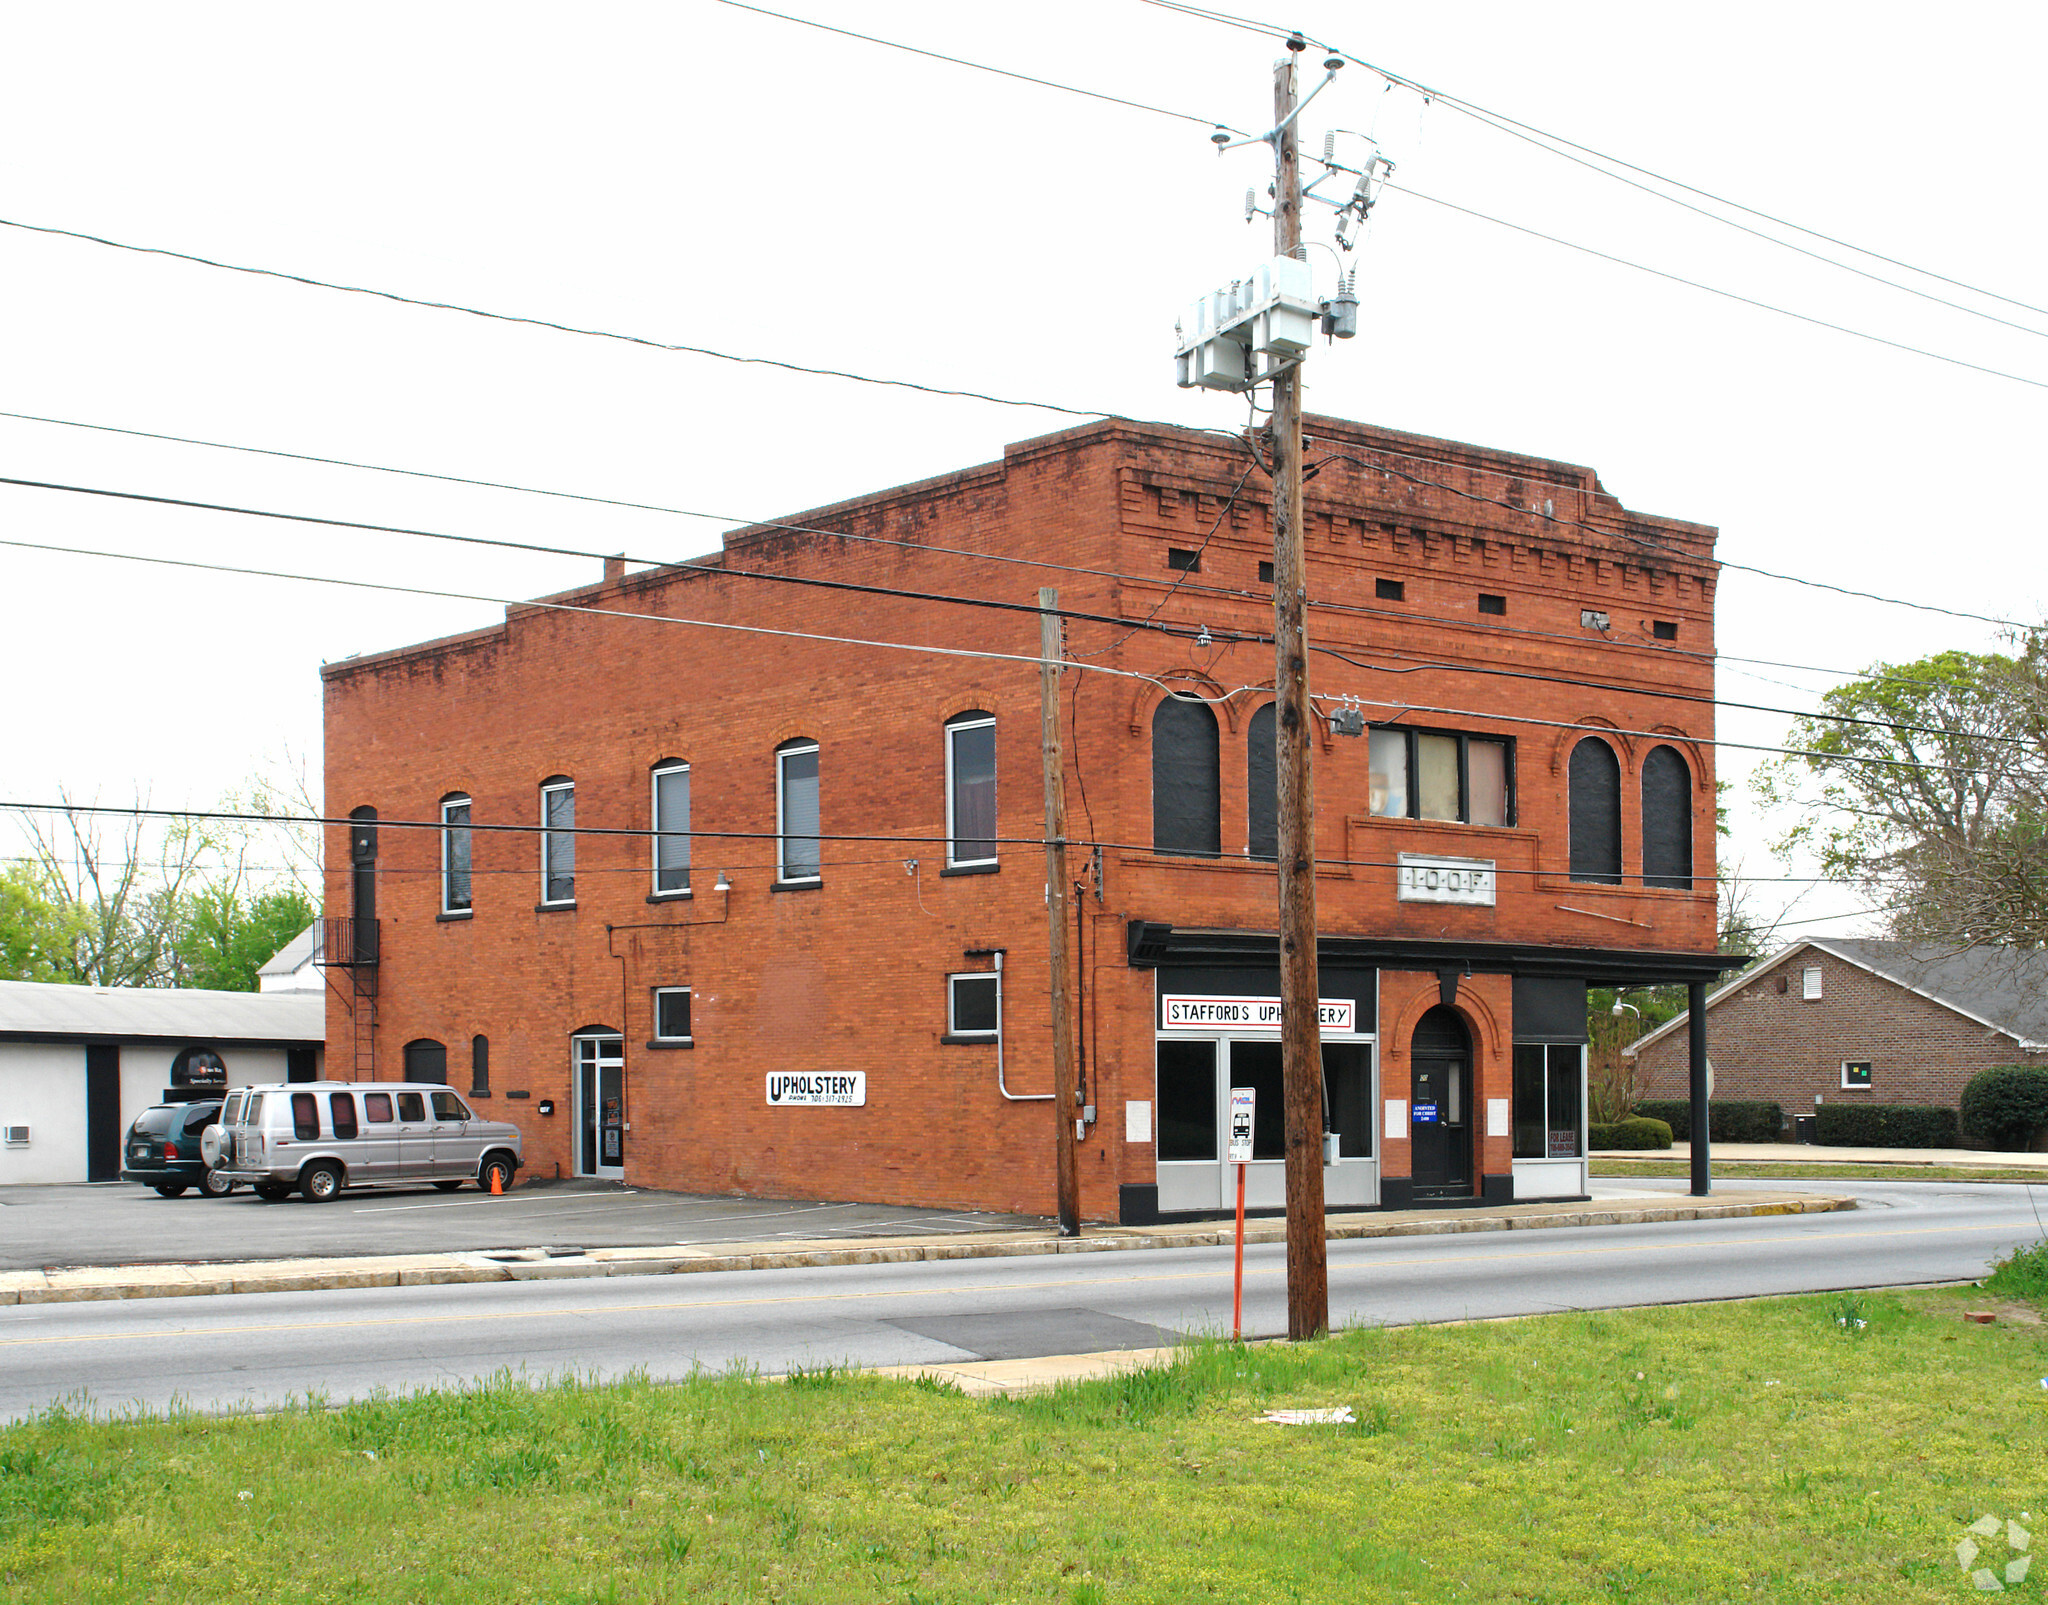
<point x="844" y="1088"/>
<point x="1258" y="1014"/>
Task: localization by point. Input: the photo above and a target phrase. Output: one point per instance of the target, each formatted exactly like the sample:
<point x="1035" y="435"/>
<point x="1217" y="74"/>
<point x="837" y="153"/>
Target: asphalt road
<point x="125" y="1223"/>
<point x="261" y="1350"/>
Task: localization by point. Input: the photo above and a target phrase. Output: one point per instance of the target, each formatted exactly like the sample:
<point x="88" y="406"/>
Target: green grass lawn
<point x="1829" y="1448"/>
<point x="1819" y="1170"/>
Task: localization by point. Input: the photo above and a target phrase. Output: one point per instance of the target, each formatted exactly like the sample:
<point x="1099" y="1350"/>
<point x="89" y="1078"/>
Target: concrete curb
<point x="431" y="1270"/>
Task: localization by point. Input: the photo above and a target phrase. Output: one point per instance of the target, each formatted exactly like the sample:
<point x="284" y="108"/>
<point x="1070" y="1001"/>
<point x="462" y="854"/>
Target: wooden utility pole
<point x="1065" y="1110"/>
<point x="1301" y="1036"/>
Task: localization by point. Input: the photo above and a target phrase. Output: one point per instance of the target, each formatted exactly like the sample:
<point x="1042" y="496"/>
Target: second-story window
<point x="1262" y="787"/>
<point x="1187" y="802"/>
<point x="796" y="811"/>
<point x="1593" y="797"/>
<point x="558" y="841"/>
<point x="455" y="889"/>
<point x="1667" y="820"/>
<point x="1439" y="774"/>
<point x="971" y="789"/>
<point x="671" y="829"/>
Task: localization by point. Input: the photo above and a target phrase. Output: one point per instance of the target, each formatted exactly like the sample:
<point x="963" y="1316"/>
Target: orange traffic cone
<point x="497" y="1180"/>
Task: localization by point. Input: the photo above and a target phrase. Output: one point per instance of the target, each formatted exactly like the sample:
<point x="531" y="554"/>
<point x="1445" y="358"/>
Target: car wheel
<point x="216" y="1184"/>
<point x="169" y="1189"/>
<point x="320" y="1183"/>
<point x="270" y="1192"/>
<point x="447" y="1186"/>
<point x="500" y="1167"/>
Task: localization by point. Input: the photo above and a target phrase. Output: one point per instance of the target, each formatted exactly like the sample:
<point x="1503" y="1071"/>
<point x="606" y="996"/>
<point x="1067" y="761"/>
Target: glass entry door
<point x="600" y="1078"/>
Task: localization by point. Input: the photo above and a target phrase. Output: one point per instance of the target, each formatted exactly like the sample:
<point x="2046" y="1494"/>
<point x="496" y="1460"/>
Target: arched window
<point x="1593" y="784"/>
<point x="1667" y="820"/>
<point x="796" y="811"/>
<point x="426" y="1060"/>
<point x="1187" y="802"/>
<point x="479" y="1067"/>
<point x="1262" y="788"/>
<point x="971" y="788"/>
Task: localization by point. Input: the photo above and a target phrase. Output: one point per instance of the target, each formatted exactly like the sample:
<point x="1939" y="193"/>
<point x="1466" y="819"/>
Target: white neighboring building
<point x="78" y="1063"/>
<point x="292" y="968"/>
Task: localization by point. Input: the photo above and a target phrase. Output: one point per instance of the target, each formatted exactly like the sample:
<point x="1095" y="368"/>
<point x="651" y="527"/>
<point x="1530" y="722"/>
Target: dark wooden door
<point x="1440" y="1106"/>
<point x="103" y="1132"/>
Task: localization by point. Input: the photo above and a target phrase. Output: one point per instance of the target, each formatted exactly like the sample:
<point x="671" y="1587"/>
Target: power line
<point x="536" y="322"/>
<point x="952" y="652"/>
<point x="137" y="811"/>
<point x="714" y="570"/>
<point x="980" y="66"/>
<point x="1729" y="295"/>
<point x="1504" y="123"/>
<point x="1129" y="626"/>
<point x="1181" y="583"/>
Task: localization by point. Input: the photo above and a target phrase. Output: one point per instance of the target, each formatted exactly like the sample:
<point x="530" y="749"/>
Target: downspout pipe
<point x="1002" y="1086"/>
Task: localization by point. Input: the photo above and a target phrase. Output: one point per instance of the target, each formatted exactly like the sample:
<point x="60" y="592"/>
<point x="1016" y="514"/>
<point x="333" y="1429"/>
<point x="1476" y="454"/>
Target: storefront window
<point x="1187" y="1101"/>
<point x="1347" y="1095"/>
<point x="1546" y="1112"/>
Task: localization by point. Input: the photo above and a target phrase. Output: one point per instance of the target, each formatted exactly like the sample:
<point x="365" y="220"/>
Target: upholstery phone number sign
<point x="1256" y="1014"/>
<point x="837" y="1089"/>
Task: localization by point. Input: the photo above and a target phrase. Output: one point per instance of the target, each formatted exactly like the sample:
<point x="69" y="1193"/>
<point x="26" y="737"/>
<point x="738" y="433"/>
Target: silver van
<point x="317" y="1137"/>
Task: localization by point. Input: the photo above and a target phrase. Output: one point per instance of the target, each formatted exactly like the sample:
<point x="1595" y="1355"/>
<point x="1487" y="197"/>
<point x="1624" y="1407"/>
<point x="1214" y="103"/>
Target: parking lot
<point x="127" y="1224"/>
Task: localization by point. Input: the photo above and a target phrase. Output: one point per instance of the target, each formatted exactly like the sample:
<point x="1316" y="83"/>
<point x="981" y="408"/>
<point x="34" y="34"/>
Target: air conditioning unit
<point x="14" y="1136"/>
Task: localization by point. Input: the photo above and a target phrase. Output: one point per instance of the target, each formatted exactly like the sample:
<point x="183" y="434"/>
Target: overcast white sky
<point x="694" y="173"/>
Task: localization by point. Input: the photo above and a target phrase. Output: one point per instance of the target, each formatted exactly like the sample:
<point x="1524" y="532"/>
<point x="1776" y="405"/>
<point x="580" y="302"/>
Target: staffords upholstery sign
<point x="843" y="1089"/>
<point x="1259" y="1014"/>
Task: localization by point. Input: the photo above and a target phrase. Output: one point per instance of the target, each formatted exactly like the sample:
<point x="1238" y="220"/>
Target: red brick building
<point x="1841" y="1020"/>
<point x="709" y="903"/>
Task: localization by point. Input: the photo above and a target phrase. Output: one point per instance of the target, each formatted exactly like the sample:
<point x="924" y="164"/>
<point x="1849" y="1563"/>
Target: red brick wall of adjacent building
<point x="1786" y="1048"/>
<point x="849" y="975"/>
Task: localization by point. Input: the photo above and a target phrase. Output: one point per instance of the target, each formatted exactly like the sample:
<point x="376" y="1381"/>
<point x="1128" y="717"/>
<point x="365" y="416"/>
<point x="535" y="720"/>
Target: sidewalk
<point x="535" y="1264"/>
<point x="1790" y="1153"/>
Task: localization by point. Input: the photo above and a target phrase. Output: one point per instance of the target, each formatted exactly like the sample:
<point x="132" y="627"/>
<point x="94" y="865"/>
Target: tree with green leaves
<point x="226" y="939"/>
<point x="1926" y="784"/>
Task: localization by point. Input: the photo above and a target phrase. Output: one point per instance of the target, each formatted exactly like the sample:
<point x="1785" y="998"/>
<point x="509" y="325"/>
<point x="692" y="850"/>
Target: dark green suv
<point x="162" y="1150"/>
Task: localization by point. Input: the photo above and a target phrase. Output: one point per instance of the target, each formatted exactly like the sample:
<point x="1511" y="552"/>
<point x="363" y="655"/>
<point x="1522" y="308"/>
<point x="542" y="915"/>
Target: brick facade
<point x="849" y="974"/>
<point x="1781" y="1046"/>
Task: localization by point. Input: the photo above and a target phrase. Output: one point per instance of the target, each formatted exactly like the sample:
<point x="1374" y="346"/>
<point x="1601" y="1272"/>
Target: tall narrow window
<point x="479" y="1067"/>
<point x="1667" y="820"/>
<point x="558" y="841"/>
<point x="971" y="789"/>
<point x="796" y="811"/>
<point x="1387" y="756"/>
<point x="671" y="829"/>
<point x="362" y="862"/>
<point x="455" y="855"/>
<point x="1593" y="783"/>
<point x="1187" y="801"/>
<point x="1262" y="787"/>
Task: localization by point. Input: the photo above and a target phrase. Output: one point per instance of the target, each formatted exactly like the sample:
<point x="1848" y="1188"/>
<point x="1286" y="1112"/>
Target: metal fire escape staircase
<point x="351" y="945"/>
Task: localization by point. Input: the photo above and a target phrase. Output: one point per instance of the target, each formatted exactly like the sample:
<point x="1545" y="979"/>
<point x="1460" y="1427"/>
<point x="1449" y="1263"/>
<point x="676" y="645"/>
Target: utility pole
<point x="1301" y="1037"/>
<point x="1065" y="1110"/>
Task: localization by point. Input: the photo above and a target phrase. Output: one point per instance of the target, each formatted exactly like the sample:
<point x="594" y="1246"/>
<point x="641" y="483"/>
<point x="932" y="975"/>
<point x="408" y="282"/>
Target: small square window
<point x="973" y="1007"/>
<point x="1810" y="984"/>
<point x="1664" y="629"/>
<point x="1856" y="1075"/>
<point x="671" y="1014"/>
<point x="1489" y="603"/>
<point x="1184" y="558"/>
<point x="1390" y="590"/>
<point x="1265" y="573"/>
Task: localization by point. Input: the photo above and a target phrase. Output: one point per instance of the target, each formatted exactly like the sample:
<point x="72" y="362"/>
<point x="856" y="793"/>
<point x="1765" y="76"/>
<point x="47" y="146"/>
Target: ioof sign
<point x="836" y="1088"/>
<point x="1243" y="1100"/>
<point x="1421" y="878"/>
<point x="1257" y="1014"/>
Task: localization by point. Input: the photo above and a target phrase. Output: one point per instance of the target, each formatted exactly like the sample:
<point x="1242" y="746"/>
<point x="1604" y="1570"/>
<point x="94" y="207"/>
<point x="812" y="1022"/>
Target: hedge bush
<point x="1884" y="1125"/>
<point x="2006" y="1104"/>
<point x="1727" y="1119"/>
<point x="1634" y="1132"/>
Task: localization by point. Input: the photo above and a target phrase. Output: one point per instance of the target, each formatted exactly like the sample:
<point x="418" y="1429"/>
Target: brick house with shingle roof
<point x="1870" y="1021"/>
